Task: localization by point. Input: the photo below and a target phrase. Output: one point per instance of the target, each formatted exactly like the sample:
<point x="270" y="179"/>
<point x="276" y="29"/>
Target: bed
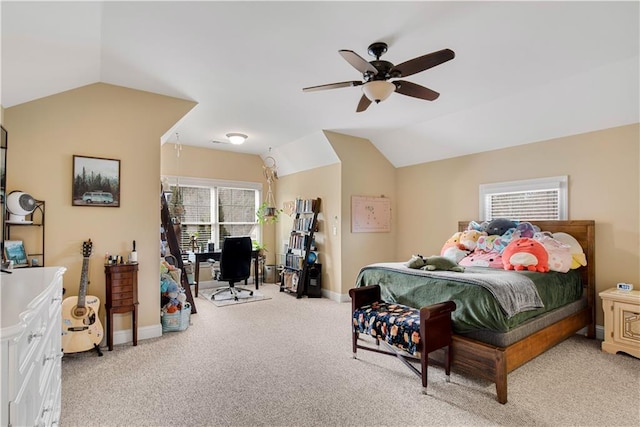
<point x="509" y="341"/>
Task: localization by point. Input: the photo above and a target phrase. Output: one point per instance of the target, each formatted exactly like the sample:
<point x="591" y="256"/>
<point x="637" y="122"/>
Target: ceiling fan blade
<point x="424" y="62"/>
<point x="363" y="104"/>
<point x="332" y="86"/>
<point x="358" y="62"/>
<point x="416" y="91"/>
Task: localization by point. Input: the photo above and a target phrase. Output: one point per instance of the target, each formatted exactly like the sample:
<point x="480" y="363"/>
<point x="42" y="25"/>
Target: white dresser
<point x="31" y="352"/>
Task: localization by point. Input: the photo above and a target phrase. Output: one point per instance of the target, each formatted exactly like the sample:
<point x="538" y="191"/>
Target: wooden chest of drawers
<point x="121" y="296"/>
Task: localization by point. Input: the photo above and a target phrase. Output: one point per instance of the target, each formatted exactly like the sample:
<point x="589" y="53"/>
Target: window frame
<point x="213" y="185"/>
<point x="555" y="183"/>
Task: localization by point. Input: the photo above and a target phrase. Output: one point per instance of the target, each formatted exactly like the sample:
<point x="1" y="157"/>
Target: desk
<point x="203" y="256"/>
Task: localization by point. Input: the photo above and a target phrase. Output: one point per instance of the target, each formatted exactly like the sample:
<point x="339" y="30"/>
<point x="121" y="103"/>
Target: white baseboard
<point x="125" y="336"/>
<point x="335" y="296"/>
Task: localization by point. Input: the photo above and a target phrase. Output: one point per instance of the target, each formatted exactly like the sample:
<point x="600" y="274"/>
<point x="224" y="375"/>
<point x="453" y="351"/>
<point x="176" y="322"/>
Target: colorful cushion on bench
<point x="396" y="324"/>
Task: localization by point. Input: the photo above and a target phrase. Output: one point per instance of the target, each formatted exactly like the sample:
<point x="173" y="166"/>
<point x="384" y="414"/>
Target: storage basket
<point x="178" y="321"/>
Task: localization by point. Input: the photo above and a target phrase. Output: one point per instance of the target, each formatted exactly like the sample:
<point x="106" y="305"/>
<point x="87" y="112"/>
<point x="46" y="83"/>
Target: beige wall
<point x="365" y="172"/>
<point x="98" y="120"/>
<point x="323" y="183"/>
<point x="603" y="185"/>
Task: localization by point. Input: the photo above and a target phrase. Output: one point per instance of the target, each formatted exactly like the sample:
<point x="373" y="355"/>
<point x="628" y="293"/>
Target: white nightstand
<point x="621" y="321"/>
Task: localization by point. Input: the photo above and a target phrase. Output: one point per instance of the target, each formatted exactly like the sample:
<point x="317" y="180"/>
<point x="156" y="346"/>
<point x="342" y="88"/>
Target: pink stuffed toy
<point x="479" y="258"/>
<point x="525" y="253"/>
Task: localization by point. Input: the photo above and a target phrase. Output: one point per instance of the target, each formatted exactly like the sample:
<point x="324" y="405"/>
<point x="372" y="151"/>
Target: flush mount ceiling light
<point x="378" y="90"/>
<point x="236" y="138"/>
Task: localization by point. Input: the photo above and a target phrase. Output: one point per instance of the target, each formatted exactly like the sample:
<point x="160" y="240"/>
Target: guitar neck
<point x="84" y="278"/>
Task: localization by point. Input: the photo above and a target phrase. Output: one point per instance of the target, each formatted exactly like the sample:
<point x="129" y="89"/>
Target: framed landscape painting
<point x="96" y="182"/>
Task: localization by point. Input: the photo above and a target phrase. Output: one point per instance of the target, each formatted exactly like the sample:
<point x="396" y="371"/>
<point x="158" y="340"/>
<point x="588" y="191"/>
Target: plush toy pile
<point x="172" y="294"/>
<point x="513" y="245"/>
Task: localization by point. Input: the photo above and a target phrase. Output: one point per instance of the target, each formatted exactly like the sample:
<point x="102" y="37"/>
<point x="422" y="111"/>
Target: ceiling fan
<point x="376" y="74"/>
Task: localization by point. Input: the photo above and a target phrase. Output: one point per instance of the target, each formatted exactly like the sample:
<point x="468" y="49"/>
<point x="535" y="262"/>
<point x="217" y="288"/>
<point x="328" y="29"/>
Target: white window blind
<point x="215" y="209"/>
<point x="527" y="200"/>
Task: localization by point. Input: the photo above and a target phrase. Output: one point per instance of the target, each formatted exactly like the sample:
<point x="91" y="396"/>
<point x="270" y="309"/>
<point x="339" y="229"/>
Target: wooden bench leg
<point x="424" y="366"/>
<point x="354" y="339"/>
<point x="359" y="297"/>
<point x="435" y="333"/>
<point x="447" y="362"/>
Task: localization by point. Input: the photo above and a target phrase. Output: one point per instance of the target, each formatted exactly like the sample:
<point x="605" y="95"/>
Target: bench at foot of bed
<point x="415" y="331"/>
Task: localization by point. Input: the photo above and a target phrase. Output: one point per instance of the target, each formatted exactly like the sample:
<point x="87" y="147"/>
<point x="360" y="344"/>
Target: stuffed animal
<point x="501" y="242"/>
<point x="486" y="243"/>
<point x="525" y="253"/>
<point x="441" y="263"/>
<point x="559" y="254"/>
<point x="453" y="241"/>
<point x="525" y="229"/>
<point x="577" y="253"/>
<point x="479" y="258"/>
<point x="452" y="249"/>
<point x="454" y="253"/>
<point x="499" y="226"/>
<point x="416" y="261"/>
<point x="469" y="239"/>
<point x="171" y="300"/>
<point x="473" y="225"/>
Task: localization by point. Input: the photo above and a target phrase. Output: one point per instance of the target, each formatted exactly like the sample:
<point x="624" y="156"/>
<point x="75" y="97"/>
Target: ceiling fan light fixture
<point x="237" y="138"/>
<point x="378" y="90"/>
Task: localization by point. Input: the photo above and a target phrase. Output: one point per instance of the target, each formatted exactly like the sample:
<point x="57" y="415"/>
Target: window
<point x="210" y="210"/>
<point x="532" y="199"/>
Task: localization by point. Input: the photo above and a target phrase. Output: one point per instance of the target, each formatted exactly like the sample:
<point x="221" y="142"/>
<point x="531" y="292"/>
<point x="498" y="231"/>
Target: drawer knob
<point x="36" y="334"/>
<point x="47" y="358"/>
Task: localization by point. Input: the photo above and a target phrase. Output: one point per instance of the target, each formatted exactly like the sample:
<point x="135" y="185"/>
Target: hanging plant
<point x="176" y="207"/>
<point x="267" y="214"/>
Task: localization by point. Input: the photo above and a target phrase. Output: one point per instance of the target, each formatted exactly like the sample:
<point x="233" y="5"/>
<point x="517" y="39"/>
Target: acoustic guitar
<point x="81" y="327"/>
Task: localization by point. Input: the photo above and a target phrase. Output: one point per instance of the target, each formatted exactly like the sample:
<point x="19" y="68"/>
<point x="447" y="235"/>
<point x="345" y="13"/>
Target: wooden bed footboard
<point x="494" y="363"/>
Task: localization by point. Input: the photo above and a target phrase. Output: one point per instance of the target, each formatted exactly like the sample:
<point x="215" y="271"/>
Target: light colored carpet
<point x="225" y="298"/>
<point x="288" y="362"/>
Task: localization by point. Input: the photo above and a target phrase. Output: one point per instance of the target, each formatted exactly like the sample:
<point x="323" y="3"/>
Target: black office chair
<point x="235" y="264"/>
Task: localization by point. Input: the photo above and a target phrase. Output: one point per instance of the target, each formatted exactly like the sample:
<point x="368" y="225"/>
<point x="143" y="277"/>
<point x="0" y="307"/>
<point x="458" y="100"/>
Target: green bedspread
<point x="477" y="308"/>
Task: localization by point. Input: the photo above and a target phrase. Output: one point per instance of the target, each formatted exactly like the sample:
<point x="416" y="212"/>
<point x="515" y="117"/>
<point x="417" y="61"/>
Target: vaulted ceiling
<point x="523" y="71"/>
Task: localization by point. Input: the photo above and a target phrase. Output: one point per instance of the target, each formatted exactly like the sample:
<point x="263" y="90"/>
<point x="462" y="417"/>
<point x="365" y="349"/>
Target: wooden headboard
<point x="584" y="232"/>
